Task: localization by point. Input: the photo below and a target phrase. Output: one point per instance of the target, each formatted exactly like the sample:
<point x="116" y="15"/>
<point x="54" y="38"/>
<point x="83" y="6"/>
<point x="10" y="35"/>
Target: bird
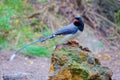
<point x="69" y="30"/>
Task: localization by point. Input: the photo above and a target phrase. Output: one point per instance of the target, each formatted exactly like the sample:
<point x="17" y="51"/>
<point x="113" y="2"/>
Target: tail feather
<point x="39" y="40"/>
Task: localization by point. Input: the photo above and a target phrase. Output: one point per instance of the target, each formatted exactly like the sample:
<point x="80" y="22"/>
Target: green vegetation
<point x="6" y="13"/>
<point x="3" y="43"/>
<point x="37" y="51"/>
<point x="8" y="9"/>
<point x="117" y="18"/>
<point x="43" y="1"/>
<point x="15" y="5"/>
<point x="16" y="31"/>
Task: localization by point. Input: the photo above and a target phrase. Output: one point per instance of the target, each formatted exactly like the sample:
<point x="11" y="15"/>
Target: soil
<point x="112" y="61"/>
<point x="38" y="68"/>
<point x="31" y="68"/>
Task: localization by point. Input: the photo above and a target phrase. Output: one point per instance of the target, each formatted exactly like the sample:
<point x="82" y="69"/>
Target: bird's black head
<point x="79" y="23"/>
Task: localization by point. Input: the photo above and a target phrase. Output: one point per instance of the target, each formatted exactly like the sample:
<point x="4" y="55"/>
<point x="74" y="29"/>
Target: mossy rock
<point x="72" y="62"/>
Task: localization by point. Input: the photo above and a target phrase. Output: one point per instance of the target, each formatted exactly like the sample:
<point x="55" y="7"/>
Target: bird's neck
<point x="76" y="24"/>
<point x="80" y="27"/>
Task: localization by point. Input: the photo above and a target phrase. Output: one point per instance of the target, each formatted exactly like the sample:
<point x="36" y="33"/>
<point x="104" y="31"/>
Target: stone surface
<point x="73" y="62"/>
<point x="18" y="76"/>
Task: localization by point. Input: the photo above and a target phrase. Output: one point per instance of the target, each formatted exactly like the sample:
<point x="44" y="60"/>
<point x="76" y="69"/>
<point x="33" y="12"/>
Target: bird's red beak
<point x="75" y="20"/>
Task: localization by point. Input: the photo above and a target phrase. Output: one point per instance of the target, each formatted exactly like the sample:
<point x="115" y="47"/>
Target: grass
<point x="43" y="1"/>
<point x="16" y="31"/>
<point x="6" y="12"/>
<point x="3" y="43"/>
<point x="37" y="51"/>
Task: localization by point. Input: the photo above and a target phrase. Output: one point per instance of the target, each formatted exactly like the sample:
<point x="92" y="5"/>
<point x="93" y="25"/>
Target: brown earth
<point x="23" y="68"/>
<point x="38" y="68"/>
<point x="111" y="60"/>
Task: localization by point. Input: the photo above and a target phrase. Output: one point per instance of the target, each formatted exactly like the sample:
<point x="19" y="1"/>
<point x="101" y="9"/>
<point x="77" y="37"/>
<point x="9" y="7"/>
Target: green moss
<point x="85" y="74"/>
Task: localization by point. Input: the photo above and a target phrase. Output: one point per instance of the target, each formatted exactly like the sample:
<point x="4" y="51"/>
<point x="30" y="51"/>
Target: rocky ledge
<point x="71" y="61"/>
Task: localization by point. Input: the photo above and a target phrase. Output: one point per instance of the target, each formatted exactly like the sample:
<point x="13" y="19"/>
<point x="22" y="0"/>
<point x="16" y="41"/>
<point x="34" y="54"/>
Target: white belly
<point x="71" y="37"/>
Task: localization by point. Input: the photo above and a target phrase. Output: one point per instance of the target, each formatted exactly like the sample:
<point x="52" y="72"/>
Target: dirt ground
<point x="38" y="68"/>
<point x="111" y="60"/>
<point x="31" y="68"/>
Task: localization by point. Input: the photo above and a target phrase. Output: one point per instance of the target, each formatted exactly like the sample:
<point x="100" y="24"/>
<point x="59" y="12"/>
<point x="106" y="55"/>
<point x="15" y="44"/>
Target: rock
<point x="1" y="76"/>
<point x="18" y="76"/>
<point x="72" y="62"/>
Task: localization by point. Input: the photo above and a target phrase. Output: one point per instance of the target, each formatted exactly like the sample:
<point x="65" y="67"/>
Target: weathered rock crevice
<point x="71" y="61"/>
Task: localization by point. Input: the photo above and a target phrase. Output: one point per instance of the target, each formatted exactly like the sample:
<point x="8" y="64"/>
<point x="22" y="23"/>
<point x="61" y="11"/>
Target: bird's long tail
<point x="39" y="40"/>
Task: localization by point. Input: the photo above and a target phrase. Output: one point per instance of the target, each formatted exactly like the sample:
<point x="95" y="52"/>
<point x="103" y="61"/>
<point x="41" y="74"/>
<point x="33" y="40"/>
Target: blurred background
<point x="23" y="21"/>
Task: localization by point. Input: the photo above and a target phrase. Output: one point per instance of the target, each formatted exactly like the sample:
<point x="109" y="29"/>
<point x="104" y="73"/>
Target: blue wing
<point x="70" y="29"/>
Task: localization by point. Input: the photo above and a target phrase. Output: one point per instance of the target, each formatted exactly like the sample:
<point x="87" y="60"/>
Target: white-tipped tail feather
<point x="39" y="40"/>
<point x="12" y="57"/>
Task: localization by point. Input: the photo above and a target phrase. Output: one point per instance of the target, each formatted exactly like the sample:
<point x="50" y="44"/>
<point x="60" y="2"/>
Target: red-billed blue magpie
<point x="71" y="29"/>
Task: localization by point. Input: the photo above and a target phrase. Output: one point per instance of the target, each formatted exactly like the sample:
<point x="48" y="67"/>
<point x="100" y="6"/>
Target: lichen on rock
<point x="71" y="61"/>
